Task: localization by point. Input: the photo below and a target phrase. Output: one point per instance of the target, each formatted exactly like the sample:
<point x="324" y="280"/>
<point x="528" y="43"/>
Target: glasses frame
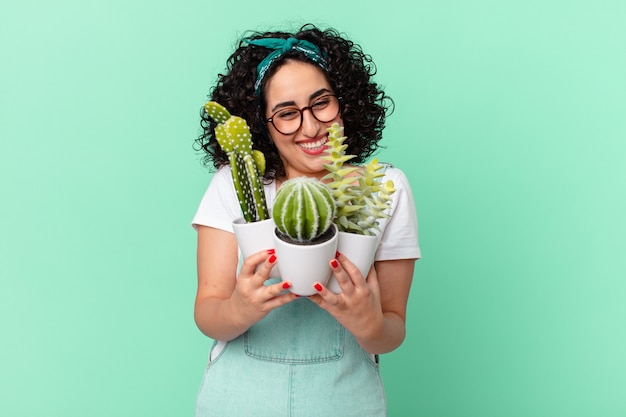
<point x="301" y="111"/>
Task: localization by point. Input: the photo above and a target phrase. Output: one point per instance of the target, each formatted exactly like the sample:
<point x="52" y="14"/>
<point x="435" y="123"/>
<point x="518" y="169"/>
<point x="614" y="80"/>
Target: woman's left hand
<point x="358" y="307"/>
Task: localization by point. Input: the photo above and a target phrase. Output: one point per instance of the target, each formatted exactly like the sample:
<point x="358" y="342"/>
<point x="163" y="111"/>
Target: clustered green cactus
<point x="304" y="209"/>
<point x="361" y="199"/>
<point x="247" y="165"/>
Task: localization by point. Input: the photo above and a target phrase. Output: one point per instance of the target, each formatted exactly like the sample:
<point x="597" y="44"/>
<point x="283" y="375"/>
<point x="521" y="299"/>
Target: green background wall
<point x="510" y="124"/>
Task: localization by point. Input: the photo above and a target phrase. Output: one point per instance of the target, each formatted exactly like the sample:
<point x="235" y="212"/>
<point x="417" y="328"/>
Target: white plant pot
<point x="360" y="250"/>
<point x="254" y="237"/>
<point x="304" y="265"/>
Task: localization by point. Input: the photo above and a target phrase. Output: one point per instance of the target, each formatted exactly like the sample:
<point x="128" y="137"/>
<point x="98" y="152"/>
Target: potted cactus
<point x="306" y="213"/>
<point x="305" y="238"/>
<point x="362" y="200"/>
<point x="255" y="228"/>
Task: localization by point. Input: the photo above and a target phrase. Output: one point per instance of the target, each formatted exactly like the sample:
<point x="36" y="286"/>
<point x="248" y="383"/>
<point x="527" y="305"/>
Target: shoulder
<point x="222" y="173"/>
<point x="396" y="175"/>
<point x="219" y="205"/>
<point x="222" y="177"/>
<point x="399" y="240"/>
<point x="391" y="170"/>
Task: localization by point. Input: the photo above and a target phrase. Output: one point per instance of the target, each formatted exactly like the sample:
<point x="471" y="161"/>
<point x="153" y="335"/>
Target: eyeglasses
<point x="288" y="120"/>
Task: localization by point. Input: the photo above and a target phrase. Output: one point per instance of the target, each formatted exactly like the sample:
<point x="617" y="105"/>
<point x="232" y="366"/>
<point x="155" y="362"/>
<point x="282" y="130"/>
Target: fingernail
<point x="334" y="263"/>
<point x="337" y="254"/>
<point x="286" y="285"/>
<point x="297" y="295"/>
<point x="318" y="287"/>
<point x="271" y="251"/>
<point x="272" y="259"/>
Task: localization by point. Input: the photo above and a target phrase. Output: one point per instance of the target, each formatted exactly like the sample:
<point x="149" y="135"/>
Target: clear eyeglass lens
<point x="289" y="120"/>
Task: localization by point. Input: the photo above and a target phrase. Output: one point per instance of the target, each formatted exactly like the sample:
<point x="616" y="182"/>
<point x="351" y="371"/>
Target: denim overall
<point x="296" y="362"/>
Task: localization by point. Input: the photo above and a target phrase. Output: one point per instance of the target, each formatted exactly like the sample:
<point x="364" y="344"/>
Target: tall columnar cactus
<point x="360" y="196"/>
<point x="304" y="209"/>
<point x="247" y="165"/>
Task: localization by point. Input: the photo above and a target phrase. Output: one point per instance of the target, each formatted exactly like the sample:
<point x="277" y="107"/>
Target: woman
<point x="277" y="354"/>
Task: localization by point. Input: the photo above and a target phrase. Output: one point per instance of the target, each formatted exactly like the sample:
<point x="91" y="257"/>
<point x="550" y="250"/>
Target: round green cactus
<point x="304" y="209"/>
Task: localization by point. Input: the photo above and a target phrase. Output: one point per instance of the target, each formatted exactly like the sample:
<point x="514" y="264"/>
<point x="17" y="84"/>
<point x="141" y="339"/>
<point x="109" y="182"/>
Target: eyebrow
<point x="313" y="96"/>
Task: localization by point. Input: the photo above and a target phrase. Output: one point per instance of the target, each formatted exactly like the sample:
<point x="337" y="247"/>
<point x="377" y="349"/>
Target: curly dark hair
<point x="364" y="105"/>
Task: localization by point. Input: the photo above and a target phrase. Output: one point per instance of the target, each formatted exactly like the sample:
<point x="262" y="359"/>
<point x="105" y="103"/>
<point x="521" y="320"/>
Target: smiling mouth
<point x="314" y="145"/>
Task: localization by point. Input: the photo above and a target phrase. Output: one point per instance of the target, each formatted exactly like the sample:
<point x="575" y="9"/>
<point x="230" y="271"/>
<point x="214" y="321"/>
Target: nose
<point x="310" y="125"/>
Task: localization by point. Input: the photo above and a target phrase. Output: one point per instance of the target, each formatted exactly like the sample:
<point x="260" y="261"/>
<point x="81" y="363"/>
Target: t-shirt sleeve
<point x="219" y="205"/>
<point x="399" y="239"/>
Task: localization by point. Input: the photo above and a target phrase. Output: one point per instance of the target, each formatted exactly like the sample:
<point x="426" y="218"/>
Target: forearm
<point x="215" y="311"/>
<point x="385" y="330"/>
<point x="219" y="319"/>
<point x="384" y="336"/>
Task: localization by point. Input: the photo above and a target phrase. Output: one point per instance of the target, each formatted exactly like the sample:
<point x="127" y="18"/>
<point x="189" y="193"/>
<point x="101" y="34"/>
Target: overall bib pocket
<point x="285" y="335"/>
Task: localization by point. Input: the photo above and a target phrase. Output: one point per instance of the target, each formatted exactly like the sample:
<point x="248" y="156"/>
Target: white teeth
<point x="313" y="145"/>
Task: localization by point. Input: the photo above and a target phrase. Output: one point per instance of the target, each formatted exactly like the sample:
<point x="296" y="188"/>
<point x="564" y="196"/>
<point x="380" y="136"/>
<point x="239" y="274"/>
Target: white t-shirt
<point x="219" y="207"/>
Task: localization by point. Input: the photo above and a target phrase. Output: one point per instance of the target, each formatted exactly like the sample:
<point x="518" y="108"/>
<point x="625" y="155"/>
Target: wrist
<point x="240" y="320"/>
<point x="384" y="336"/>
<point x="370" y="330"/>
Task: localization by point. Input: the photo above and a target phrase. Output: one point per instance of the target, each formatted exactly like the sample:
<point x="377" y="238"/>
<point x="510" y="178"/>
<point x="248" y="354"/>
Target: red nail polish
<point x="272" y="259"/>
<point x="337" y="254"/>
<point x="318" y="287"/>
<point x="334" y="263"/>
<point x="286" y="285"/>
<point x="271" y="251"/>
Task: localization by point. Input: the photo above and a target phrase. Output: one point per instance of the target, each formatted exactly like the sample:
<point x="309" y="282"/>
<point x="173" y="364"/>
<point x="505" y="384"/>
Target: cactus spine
<point x="247" y="165"/>
<point x="303" y="209"/>
<point x="361" y="198"/>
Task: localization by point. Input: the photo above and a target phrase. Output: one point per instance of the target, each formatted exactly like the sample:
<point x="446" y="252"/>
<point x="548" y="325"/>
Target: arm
<point x="394" y="281"/>
<point x="374" y="311"/>
<point x="226" y="306"/>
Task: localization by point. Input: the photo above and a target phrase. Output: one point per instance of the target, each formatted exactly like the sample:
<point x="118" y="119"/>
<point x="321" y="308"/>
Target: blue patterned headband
<point x="281" y="47"/>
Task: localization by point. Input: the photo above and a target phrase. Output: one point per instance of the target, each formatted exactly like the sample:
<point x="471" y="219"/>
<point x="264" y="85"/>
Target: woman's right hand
<point x="251" y="298"/>
<point x="226" y="304"/>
